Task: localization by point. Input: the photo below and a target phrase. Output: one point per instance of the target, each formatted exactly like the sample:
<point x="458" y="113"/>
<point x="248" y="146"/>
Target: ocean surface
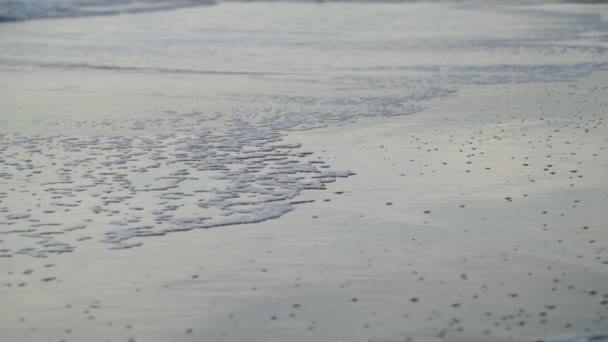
<point x="144" y="124"/>
<point x="17" y="10"/>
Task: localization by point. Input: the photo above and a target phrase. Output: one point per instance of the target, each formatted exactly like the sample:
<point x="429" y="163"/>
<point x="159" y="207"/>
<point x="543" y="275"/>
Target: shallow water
<point x="146" y="166"/>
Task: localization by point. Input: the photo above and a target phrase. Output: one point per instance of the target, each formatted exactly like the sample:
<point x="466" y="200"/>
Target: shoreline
<point x="480" y="218"/>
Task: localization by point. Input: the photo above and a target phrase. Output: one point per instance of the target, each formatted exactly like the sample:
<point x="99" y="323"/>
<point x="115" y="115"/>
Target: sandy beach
<point x="306" y="172"/>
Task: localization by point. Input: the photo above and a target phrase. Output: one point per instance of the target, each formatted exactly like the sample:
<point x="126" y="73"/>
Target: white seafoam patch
<point x="244" y="173"/>
<point x="188" y="176"/>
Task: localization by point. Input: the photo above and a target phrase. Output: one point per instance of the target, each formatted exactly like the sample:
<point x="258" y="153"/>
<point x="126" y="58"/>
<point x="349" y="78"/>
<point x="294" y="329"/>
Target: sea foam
<point x="17" y="10"/>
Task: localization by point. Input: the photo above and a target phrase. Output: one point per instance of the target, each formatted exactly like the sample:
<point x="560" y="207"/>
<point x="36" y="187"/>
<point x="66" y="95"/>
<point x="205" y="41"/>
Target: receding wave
<point x="18" y="10"/>
<point x="135" y="69"/>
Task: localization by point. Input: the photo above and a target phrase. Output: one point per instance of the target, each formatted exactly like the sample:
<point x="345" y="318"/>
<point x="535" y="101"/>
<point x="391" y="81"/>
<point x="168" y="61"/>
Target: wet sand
<point x="480" y="216"/>
<point x="475" y="220"/>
